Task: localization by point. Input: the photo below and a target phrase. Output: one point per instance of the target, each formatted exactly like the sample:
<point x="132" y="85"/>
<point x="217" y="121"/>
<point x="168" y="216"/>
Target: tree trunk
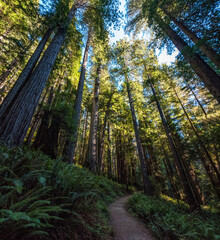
<point x="206" y="49"/>
<point x="91" y="156"/>
<point x="16" y="119"/>
<point x="200" y="104"/>
<point x="82" y="155"/>
<point x="212" y="169"/>
<point x="170" y="174"/>
<point x="102" y="135"/>
<point x="48" y="133"/>
<point x="146" y="181"/>
<point x="206" y="74"/>
<point x="23" y="78"/>
<point x="71" y="141"/>
<point x="109" y="156"/>
<point x="187" y="189"/>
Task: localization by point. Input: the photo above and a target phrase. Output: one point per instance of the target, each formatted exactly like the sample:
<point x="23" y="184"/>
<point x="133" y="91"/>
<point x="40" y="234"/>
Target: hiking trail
<point x="125" y="226"/>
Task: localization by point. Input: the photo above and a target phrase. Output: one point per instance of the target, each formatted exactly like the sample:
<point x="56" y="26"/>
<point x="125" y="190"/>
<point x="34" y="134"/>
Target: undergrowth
<point x="172" y="221"/>
<point x="42" y="198"/>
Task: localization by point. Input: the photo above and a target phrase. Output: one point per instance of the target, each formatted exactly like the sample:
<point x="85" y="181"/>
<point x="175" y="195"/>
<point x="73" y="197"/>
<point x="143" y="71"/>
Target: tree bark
<point x="109" y="156"/>
<point x="211" y="169"/>
<point x="82" y="155"/>
<point x="71" y="140"/>
<point x="186" y="185"/>
<point x="205" y="73"/>
<point x="91" y="156"/>
<point x="23" y="78"/>
<point x="16" y="119"/>
<point x="146" y="181"/>
<point x="102" y="135"/>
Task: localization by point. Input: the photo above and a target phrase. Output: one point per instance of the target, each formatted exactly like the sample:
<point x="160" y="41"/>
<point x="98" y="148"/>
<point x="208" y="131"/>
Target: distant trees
<point x="113" y="109"/>
<point x="159" y="15"/>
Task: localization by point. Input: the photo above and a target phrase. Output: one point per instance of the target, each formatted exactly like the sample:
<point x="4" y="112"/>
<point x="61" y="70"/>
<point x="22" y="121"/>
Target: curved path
<point x="125" y="226"/>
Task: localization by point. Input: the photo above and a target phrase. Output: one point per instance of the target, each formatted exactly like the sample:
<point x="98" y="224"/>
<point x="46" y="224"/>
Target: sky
<point x="163" y="57"/>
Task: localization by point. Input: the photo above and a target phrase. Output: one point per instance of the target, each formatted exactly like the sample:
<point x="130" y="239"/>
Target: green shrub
<point x="170" y="220"/>
<point x="45" y="199"/>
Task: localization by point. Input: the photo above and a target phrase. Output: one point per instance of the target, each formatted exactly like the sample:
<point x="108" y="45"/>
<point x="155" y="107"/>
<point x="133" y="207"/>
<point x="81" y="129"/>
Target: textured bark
<point x="206" y="49"/>
<point x="91" y="156"/>
<point x="146" y="181"/>
<point x="16" y="119"/>
<point x="201" y="68"/>
<point x="22" y="79"/>
<point x="35" y="125"/>
<point x="187" y="189"/>
<point x="71" y="141"/>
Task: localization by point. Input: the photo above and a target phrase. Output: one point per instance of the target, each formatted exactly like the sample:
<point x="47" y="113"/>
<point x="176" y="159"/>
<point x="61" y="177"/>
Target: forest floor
<point x="125" y="226"/>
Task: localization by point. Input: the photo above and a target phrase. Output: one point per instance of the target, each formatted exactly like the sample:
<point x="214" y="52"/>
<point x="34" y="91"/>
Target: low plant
<point x="171" y="220"/>
<point x="41" y="198"/>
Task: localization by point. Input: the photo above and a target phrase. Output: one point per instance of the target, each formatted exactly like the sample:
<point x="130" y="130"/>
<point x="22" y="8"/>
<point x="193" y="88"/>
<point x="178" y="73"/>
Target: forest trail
<point x="125" y="226"/>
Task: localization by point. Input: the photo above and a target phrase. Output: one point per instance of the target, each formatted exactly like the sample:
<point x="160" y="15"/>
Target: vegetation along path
<point x="125" y="226"/>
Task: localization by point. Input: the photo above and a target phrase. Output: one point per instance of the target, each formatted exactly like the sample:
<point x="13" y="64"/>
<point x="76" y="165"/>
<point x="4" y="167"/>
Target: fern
<point x="42" y="199"/>
<point x="165" y="217"/>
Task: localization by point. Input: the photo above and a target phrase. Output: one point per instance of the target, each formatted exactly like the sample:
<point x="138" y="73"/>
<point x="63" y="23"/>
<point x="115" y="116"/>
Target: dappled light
<point x="109" y="114"/>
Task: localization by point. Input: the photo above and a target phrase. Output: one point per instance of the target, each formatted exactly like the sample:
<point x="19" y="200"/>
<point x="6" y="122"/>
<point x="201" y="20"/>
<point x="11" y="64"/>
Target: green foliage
<point x="169" y="219"/>
<point x="43" y="198"/>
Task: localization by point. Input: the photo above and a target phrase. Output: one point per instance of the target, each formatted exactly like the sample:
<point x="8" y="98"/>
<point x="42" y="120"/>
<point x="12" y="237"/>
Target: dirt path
<point x="125" y="226"/>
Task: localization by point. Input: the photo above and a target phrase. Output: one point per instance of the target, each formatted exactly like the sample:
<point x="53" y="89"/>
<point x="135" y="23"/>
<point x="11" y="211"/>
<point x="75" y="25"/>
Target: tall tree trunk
<point x="102" y="135"/>
<point x="200" y="104"/>
<point x="206" y="74"/>
<point x="118" y="154"/>
<point x="71" y="140"/>
<point x="91" y="156"/>
<point x="212" y="169"/>
<point x="23" y="78"/>
<point x="186" y="185"/>
<point x="170" y="174"/>
<point x="17" y="117"/>
<point x="206" y="49"/>
<point x="146" y="181"/>
<point x="48" y="133"/>
<point x="186" y="166"/>
<point x="82" y="155"/>
<point x="109" y="155"/>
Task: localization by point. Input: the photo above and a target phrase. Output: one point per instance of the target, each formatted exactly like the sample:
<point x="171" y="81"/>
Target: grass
<point x="41" y="198"/>
<point x="169" y="220"/>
